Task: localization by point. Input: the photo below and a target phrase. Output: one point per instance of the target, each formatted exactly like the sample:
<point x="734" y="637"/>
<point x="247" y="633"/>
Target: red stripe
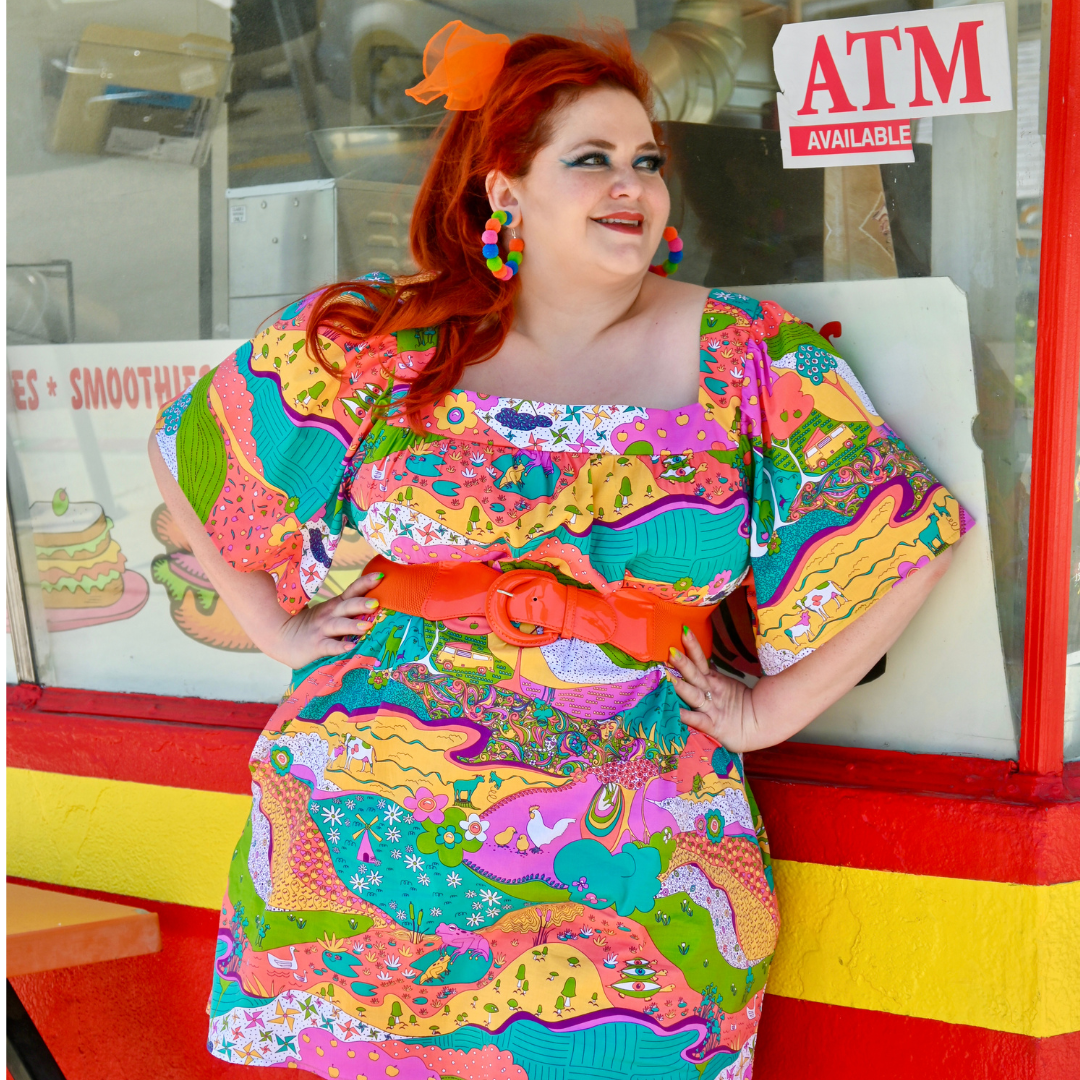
<point x="1053" y="439"/>
<point x="148" y="752"/>
<point x="982" y="839"/>
<point x="55" y="699"/>
<point x="918" y="813"/>
<point x="891" y="770"/>
<point x="802" y="1040"/>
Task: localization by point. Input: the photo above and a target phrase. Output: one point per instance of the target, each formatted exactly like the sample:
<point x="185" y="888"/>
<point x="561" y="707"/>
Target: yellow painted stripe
<point x="999" y="956"/>
<point x="992" y="955"/>
<point x="161" y="843"/>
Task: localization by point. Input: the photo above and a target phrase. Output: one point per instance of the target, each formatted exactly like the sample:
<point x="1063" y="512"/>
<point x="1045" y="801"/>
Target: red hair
<point x="472" y="309"/>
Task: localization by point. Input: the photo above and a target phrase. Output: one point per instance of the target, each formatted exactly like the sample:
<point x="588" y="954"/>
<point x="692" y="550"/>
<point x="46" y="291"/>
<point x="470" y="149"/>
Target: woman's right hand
<point x="324" y="629"/>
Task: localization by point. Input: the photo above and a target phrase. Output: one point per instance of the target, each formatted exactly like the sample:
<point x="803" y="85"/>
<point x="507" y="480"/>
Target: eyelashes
<point x="652" y="163"/>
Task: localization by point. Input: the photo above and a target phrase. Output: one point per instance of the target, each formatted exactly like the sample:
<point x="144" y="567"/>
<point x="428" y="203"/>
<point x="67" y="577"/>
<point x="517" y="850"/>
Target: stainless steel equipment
<point x="693" y="60"/>
<point x="286" y="240"/>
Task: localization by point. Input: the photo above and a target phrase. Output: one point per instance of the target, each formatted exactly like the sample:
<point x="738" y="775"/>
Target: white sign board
<point x="849" y="88"/>
<point x="944" y="689"/>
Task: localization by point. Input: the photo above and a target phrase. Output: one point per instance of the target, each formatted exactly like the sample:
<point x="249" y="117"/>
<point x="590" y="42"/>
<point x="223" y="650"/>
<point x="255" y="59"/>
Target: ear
<point x="502" y="196"/>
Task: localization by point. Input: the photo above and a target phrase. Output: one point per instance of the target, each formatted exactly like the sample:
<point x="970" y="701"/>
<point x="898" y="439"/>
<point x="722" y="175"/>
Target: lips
<point x="625" y="222"/>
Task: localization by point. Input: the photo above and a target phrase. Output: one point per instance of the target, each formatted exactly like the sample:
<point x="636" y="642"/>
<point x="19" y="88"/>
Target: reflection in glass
<point x="316" y="123"/>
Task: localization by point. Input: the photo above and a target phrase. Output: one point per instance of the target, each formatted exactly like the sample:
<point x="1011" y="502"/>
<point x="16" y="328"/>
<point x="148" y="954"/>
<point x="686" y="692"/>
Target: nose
<point x="626" y="183"/>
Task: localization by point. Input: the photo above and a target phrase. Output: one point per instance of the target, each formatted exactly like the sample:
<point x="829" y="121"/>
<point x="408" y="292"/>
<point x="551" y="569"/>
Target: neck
<point x="563" y="318"/>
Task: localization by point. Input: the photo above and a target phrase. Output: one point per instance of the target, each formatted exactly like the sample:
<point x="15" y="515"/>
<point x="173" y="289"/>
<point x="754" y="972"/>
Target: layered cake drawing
<point x="82" y="570"/>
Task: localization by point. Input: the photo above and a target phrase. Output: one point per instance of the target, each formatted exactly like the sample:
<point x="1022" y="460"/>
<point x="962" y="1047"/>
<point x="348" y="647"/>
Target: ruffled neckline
<point x="542" y="426"/>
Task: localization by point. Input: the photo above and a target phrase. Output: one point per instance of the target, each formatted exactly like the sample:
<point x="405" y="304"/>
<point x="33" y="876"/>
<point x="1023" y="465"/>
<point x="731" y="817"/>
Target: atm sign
<point x="849" y="87"/>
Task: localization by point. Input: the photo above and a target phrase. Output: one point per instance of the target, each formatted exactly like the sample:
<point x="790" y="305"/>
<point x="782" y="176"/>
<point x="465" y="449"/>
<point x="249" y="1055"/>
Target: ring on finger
<point x="705" y="700"/>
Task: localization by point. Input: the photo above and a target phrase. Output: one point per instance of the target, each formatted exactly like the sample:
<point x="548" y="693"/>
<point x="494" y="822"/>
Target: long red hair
<point x="472" y="309"/>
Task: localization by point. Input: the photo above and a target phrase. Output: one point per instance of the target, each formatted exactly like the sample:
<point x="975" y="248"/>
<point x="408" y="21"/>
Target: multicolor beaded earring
<point x="504" y="271"/>
<point x="675" y="254"/>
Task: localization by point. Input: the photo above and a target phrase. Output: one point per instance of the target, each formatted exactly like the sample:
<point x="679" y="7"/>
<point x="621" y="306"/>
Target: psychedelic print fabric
<point x="470" y="860"/>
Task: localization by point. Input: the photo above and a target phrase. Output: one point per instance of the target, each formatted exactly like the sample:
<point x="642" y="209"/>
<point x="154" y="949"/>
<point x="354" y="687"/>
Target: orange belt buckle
<point x="536" y="597"/>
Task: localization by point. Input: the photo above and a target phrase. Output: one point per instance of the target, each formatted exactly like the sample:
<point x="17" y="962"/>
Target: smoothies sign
<point x="849" y="88"/>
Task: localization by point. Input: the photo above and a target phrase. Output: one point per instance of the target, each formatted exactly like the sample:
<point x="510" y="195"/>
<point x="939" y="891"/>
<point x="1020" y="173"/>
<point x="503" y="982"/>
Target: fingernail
<point x="380" y="576"/>
<point x="675" y="654"/>
<point x="371" y="604"/>
<point x="686" y="631"/>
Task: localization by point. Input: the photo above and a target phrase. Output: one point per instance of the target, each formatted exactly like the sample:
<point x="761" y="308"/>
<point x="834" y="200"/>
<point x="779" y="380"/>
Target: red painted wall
<point x="835" y="1043"/>
<point x="143" y="1018"/>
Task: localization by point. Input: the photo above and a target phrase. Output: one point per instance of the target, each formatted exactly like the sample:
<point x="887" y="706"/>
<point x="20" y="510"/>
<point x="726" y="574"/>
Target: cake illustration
<point x="84" y="581"/>
<point x="194" y="604"/>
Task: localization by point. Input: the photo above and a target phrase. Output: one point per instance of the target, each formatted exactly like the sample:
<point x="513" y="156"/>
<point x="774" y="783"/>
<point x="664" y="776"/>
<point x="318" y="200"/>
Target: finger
<point x="364" y="583"/>
<point x="694" y="696"/>
<point x="688" y="669"/>
<point x="358" y="605"/>
<point x="699" y="721"/>
<point x="695" y="651"/>
<point x="339" y="646"/>
<point x="337" y="627"/>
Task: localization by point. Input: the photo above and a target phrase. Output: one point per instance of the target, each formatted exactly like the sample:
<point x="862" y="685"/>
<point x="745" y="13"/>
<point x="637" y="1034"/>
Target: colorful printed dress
<point x="471" y="860"/>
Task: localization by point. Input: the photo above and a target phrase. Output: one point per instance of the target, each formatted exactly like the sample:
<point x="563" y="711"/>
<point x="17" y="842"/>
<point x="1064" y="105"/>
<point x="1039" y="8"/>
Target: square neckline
<point x="497" y="399"/>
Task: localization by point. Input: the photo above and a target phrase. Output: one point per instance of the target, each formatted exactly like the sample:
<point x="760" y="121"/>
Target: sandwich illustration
<point x="194" y="604"/>
<point x="84" y="580"/>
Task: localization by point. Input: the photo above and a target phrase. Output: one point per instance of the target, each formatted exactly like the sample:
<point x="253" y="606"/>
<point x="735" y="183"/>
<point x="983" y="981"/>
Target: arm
<point x="294" y="640"/>
<point x="741" y="719"/>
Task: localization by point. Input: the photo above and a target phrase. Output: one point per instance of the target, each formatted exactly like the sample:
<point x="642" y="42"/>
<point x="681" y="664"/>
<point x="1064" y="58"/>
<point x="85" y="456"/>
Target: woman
<point x="493" y="834"/>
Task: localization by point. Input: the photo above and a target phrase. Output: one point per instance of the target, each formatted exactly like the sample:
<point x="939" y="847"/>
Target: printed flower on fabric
<point x="448" y="838"/>
<point x="714" y="826"/>
<point x="281" y="759"/>
<point x="475" y="828"/>
<point x="456" y="414"/>
<point x="425" y="806"/>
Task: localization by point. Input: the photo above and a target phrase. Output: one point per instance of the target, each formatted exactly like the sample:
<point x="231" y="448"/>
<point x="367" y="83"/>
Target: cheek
<point x="658" y="198"/>
<point x="562" y="206"/>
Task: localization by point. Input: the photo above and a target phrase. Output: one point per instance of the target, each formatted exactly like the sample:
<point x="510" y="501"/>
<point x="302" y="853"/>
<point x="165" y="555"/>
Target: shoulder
<point x="765" y="320"/>
<point x="299" y="313"/>
<point x="342" y="333"/>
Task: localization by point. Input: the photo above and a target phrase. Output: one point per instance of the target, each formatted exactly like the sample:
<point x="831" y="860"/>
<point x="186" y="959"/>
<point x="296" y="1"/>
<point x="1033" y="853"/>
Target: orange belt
<point x="633" y="620"/>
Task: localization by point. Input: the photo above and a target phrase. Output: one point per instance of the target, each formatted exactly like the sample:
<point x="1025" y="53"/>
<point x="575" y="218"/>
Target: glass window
<point x="235" y="156"/>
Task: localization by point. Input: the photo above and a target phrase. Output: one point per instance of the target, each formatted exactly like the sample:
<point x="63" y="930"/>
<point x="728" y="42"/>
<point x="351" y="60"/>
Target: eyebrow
<point x="603" y="144"/>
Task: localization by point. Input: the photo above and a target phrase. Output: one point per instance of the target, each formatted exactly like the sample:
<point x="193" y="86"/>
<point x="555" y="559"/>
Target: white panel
<point x="944" y="688"/>
<point x="100" y="455"/>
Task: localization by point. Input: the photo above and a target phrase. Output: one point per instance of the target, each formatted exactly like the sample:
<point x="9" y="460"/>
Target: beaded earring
<point x="675" y="254"/>
<point x="504" y="271"/>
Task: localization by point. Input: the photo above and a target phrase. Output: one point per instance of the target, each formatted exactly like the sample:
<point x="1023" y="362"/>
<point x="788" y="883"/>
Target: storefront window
<point x="242" y="154"/>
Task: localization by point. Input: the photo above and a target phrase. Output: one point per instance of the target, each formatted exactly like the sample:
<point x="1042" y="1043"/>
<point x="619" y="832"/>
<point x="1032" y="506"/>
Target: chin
<point x="618" y="267"/>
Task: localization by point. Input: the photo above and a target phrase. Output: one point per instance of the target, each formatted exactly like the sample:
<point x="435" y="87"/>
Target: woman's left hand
<point x="718" y="704"/>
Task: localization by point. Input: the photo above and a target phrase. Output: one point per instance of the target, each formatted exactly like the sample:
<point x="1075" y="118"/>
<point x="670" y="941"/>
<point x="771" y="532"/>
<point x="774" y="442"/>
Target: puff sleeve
<point x="263" y="446"/>
<point x="841" y="509"/>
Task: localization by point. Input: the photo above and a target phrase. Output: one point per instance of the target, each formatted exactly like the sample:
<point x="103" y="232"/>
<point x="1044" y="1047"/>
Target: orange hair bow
<point x="461" y="63"/>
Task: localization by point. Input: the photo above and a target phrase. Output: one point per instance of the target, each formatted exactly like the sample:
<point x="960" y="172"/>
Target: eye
<point x="592" y="158"/>
<point x="652" y="163"/>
